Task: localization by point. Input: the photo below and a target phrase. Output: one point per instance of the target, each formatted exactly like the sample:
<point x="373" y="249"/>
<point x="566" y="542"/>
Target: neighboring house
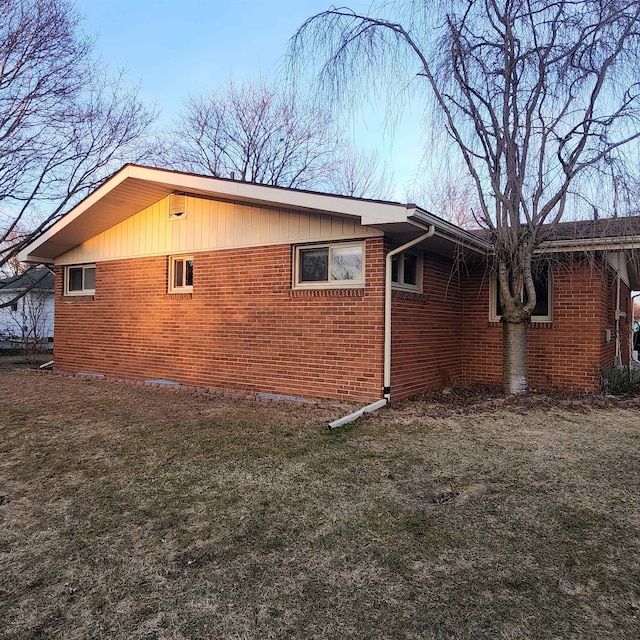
<point x="226" y="284"/>
<point x="27" y="311"/>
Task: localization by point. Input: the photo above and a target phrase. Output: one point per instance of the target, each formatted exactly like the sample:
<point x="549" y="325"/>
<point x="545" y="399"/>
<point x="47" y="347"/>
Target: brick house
<point x="225" y="284"/>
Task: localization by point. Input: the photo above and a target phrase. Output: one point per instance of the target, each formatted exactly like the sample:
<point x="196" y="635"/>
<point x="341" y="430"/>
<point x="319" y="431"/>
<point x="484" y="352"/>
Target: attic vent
<point x="177" y="206"/>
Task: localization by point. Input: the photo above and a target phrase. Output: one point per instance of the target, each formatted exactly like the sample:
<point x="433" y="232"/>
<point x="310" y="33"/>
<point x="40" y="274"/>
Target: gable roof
<point x="135" y="187"/>
<point x="38" y="279"/>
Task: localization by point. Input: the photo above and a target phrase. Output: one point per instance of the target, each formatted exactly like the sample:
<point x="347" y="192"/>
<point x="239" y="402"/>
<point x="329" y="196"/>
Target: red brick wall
<point x="426" y="332"/>
<point x="566" y="353"/>
<point x="242" y="328"/>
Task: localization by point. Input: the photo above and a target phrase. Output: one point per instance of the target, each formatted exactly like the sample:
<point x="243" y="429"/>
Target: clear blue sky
<point x="173" y="48"/>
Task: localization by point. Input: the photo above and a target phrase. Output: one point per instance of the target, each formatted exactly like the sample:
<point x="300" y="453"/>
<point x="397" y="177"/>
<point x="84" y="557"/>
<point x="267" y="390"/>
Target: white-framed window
<point x="80" y="280"/>
<point x="543" y="284"/>
<point x="338" y="265"/>
<point x="406" y="271"/>
<point x="180" y="274"/>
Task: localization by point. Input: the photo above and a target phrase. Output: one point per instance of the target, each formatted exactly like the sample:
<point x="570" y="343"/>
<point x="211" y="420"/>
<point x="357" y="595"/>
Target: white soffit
<point x="134" y="188"/>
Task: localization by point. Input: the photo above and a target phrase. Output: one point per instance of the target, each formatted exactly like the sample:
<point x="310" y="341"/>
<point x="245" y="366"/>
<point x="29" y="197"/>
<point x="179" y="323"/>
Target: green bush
<point x="619" y="381"/>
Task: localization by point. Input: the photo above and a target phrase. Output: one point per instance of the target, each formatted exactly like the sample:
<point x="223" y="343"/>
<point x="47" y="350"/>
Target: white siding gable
<point x="211" y="224"/>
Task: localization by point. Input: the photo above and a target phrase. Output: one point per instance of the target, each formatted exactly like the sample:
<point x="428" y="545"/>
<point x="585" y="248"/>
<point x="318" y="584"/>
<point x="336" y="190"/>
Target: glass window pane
<point x="410" y="269"/>
<point x="541" y="284"/>
<point x="394" y="269"/>
<point x="90" y="278"/>
<point x="314" y="265"/>
<point x="346" y="263"/>
<point x="178" y="272"/>
<point x="75" y="279"/>
<point x="189" y="275"/>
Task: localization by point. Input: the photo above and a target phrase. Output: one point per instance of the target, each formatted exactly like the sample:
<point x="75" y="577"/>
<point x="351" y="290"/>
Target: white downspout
<point x="386" y="390"/>
<point x="387" y="337"/>
<point x="617" y="361"/>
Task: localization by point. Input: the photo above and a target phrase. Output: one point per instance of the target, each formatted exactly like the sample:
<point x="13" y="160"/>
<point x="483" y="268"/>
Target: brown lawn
<point x="129" y="512"/>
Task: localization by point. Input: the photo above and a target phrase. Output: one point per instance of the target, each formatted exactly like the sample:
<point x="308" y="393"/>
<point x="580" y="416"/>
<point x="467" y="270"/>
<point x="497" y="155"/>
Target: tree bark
<point x="514" y="358"/>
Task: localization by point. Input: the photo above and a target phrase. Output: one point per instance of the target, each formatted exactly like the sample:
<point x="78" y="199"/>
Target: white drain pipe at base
<point x="387" y="337"/>
<point x="357" y="414"/>
<point x="386" y="385"/>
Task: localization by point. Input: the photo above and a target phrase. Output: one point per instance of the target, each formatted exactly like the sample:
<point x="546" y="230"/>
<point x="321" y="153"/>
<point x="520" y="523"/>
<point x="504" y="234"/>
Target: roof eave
<point x="450" y="231"/>
<point x="62" y="237"/>
<point x="591" y="244"/>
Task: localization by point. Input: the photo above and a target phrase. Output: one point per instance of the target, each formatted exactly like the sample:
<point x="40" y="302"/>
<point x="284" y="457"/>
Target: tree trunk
<point x="514" y="357"/>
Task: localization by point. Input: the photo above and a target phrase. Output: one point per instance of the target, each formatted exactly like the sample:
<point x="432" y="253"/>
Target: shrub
<point x="618" y="381"/>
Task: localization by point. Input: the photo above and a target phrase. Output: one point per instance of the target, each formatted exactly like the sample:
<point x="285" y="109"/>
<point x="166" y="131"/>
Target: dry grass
<point x="132" y="512"/>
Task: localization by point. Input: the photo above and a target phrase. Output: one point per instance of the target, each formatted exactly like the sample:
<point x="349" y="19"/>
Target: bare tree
<point x="65" y="125"/>
<point x="358" y="174"/>
<point x="267" y="134"/>
<point x="538" y="96"/>
<point x="26" y="318"/>
<point x="256" y="133"/>
<point x="453" y="200"/>
<point x="32" y="320"/>
<point x="12" y="266"/>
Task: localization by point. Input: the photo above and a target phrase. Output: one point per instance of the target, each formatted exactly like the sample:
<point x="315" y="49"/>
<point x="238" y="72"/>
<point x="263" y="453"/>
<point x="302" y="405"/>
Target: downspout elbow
<point x="386" y="390"/>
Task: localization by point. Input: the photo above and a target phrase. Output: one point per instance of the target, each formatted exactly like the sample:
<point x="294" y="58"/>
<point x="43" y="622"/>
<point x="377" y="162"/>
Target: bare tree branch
<point x="256" y="133"/>
<point x="65" y="125"/>
<point x="538" y="96"/>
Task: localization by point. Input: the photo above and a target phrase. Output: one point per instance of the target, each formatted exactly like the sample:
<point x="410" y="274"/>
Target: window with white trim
<point x="80" y="280"/>
<point x="339" y="265"/>
<point x="542" y="282"/>
<point x="406" y="271"/>
<point x="180" y="274"/>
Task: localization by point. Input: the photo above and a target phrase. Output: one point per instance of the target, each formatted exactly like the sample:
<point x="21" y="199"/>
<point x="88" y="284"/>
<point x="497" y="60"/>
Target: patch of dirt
<point x="15" y="362"/>
<point x="444" y="495"/>
<point x="460" y="403"/>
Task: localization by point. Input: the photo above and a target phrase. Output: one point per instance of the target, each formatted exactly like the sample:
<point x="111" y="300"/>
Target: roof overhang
<point x="134" y="188"/>
<point x="627" y="245"/>
<point x="623" y="243"/>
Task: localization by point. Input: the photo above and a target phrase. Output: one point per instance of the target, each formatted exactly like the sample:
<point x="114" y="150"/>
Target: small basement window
<point x="181" y="274"/>
<point x="543" y="286"/>
<point x="406" y="271"/>
<point x="329" y="265"/>
<point x="80" y="280"/>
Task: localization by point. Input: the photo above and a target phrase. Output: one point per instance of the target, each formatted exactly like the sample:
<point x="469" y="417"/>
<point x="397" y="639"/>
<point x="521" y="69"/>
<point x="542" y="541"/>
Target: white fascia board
<point x="369" y="211"/>
<point x="590" y="244"/>
<point x="27" y="255"/>
<point x="23" y="256"/>
<point x="450" y="231"/>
